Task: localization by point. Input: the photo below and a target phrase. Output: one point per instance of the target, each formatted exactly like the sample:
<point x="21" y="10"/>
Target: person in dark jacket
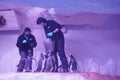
<point x="26" y="42"/>
<point x="53" y="32"/>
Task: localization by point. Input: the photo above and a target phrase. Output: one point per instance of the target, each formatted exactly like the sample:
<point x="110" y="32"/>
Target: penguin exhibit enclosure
<point x="59" y="39"/>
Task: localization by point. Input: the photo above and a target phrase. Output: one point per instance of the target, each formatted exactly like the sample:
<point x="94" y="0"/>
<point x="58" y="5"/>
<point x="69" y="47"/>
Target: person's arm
<point x="19" y="42"/>
<point x="56" y="30"/>
<point x="34" y="43"/>
<point x="56" y="26"/>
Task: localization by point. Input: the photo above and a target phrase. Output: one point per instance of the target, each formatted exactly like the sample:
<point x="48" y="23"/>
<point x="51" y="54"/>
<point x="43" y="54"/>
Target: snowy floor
<point x="56" y="76"/>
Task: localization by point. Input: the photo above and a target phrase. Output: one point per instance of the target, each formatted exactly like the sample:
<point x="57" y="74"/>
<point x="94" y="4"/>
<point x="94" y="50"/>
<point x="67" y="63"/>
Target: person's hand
<point x="24" y="41"/>
<point x="50" y="34"/>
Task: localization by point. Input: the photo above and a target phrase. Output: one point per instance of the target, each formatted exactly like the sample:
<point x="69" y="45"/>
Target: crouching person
<point x="26" y="42"/>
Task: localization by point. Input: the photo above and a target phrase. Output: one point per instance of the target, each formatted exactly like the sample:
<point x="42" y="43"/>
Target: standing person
<point x="53" y="32"/>
<point x="26" y="42"/>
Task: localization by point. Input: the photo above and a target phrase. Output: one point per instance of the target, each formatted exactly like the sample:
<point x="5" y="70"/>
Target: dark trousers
<point x="25" y="61"/>
<point x="59" y="48"/>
